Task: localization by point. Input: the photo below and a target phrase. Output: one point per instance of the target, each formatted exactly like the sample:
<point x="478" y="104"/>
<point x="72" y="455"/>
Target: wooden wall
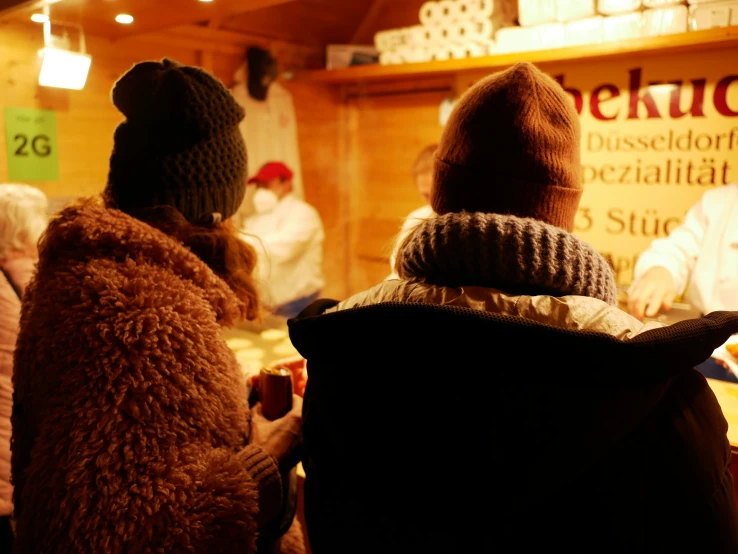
<point x="357" y="144"/>
<point x="320" y="115"/>
<point x="86" y="119"/>
<point x="386" y="131"/>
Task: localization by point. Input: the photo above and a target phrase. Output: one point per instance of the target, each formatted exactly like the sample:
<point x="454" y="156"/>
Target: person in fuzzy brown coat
<point x="131" y="426"/>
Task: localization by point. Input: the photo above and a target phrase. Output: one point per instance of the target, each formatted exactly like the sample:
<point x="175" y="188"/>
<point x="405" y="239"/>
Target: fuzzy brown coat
<point x="131" y="424"/>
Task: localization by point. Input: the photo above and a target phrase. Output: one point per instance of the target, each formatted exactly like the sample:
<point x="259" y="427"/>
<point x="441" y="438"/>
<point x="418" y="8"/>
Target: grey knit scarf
<point x="514" y="255"/>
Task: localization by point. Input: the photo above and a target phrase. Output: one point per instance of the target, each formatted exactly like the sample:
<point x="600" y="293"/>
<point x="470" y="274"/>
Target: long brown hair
<point x="218" y="245"/>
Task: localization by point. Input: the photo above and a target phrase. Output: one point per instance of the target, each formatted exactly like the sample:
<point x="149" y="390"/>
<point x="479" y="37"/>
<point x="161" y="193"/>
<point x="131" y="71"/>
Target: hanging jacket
<point x="270" y="127"/>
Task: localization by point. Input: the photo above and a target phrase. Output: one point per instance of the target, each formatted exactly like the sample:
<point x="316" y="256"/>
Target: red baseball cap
<point x="272" y="170"/>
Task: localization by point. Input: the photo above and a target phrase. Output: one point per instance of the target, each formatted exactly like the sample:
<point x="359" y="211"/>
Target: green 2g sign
<point x="31" y="145"/>
<point x="40" y="145"/>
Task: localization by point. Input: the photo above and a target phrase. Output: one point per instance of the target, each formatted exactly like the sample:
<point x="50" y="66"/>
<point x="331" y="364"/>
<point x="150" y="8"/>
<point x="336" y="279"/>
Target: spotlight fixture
<point x="60" y="66"/>
<point x="124" y="19"/>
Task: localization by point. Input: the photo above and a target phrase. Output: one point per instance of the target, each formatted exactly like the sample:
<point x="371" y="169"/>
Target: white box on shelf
<point x="709" y="16"/>
<point x="622" y="27"/>
<point x="662" y="3"/>
<point x="665" y="21"/>
<point x="569" y="10"/>
<point x="583" y="31"/>
<point x="516" y="39"/>
<point x="345" y="55"/>
<point x="613" y="7"/>
<point x="535" y="12"/>
<point x="550" y="35"/>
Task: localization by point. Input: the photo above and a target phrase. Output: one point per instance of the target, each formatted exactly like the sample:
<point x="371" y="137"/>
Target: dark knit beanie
<point x="511" y="146"/>
<point x="180" y="144"/>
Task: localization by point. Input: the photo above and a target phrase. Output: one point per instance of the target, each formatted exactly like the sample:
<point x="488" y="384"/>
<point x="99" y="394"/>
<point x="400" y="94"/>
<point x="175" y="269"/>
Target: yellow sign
<point x="657" y="132"/>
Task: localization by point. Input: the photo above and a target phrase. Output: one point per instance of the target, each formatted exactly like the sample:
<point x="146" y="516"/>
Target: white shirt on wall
<point x="702" y="253"/>
<point x="414" y="219"/>
<point x="270" y="128"/>
<point x="289" y="244"/>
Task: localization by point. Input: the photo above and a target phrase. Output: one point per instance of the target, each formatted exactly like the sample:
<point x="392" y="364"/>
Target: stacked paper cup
<point x="449" y="29"/>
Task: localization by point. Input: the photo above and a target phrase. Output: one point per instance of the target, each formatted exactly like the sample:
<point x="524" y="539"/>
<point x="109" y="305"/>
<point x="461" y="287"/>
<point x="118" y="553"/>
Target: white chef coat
<point x="702" y="253"/>
<point x="415" y="218"/>
<point x="289" y="244"/>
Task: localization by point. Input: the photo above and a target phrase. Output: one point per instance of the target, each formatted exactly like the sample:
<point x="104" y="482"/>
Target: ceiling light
<point x="206" y="0"/>
<point x="61" y="67"/>
<point x="124" y="18"/>
<point x="39" y="18"/>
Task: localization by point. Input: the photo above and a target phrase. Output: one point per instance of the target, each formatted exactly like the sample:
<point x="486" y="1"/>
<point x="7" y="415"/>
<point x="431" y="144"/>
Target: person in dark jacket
<point x="495" y="399"/>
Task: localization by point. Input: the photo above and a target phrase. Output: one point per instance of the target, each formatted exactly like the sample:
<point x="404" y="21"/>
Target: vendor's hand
<point x="280" y="438"/>
<point x="653" y="292"/>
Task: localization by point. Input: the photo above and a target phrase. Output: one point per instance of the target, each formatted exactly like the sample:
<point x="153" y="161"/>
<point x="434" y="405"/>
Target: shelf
<point x="670" y="44"/>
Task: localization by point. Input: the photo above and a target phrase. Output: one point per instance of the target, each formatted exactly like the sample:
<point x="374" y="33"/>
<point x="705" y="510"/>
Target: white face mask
<point x="265" y="200"/>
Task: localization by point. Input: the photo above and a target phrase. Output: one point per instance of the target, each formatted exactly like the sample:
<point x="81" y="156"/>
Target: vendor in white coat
<point x="699" y="259"/>
<point x="288" y="235"/>
<point x="423" y="174"/>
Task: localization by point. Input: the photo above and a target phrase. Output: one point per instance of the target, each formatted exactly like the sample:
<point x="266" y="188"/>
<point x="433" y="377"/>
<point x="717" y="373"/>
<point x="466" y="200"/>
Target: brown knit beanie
<point x="511" y="146"/>
<point x="180" y="145"/>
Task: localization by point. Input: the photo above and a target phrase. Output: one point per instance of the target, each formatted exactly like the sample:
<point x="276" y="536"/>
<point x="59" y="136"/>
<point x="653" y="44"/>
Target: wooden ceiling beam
<point x="367" y="23"/>
<point x="190" y="43"/>
<point x="197" y="33"/>
<point x="231" y="8"/>
<point x="198" y="37"/>
<point x="153" y="17"/>
<point x="9" y="7"/>
<point x="215" y="23"/>
<point x="256" y="5"/>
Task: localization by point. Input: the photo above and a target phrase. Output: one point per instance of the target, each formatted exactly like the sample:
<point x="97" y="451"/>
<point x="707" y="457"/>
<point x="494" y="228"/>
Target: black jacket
<point x="444" y="429"/>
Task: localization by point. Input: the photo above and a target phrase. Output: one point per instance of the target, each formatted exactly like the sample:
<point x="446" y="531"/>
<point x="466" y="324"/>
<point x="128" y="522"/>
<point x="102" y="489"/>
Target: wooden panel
<point x="376" y="238"/>
<point x="149" y="15"/>
<point x="710" y="39"/>
<point x="391" y="131"/>
<point x="367" y="273"/>
<point x="319" y="114"/>
<point x="86" y="119"/>
<point x="317" y="22"/>
<point x="385" y="135"/>
<point x="291" y="56"/>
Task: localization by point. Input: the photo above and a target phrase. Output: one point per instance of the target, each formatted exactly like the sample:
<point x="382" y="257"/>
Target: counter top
<point x="257" y="347"/>
<point x="727" y="395"/>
